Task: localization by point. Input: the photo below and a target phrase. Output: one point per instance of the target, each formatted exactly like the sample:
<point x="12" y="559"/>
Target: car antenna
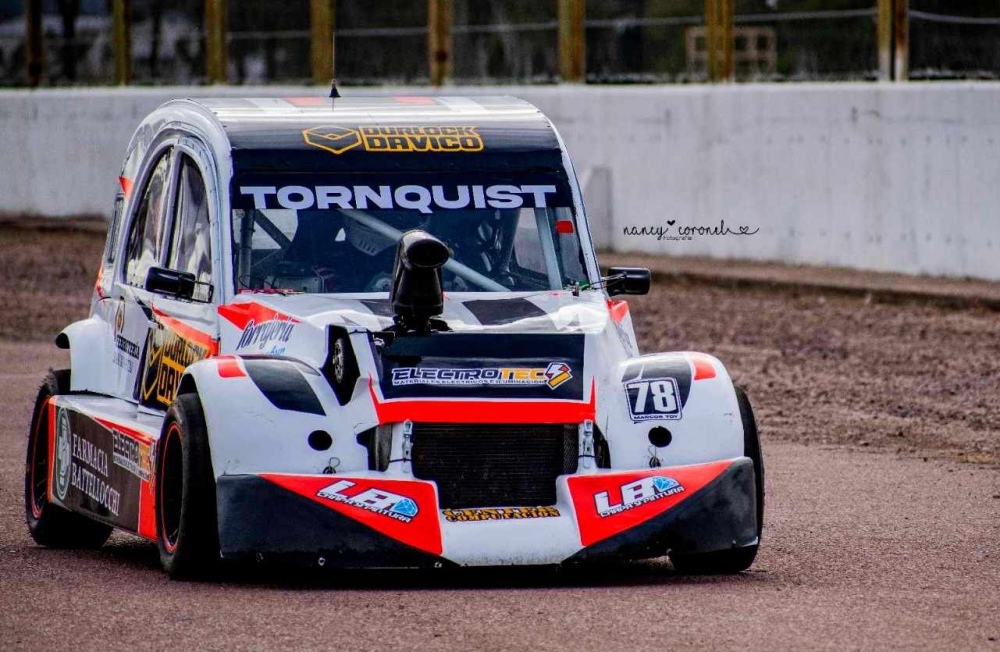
<point x="334" y="92"/>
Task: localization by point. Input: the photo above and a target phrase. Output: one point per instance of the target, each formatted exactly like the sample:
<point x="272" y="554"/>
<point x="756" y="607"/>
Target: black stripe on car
<point x="677" y="368"/>
<point x="283" y="384"/>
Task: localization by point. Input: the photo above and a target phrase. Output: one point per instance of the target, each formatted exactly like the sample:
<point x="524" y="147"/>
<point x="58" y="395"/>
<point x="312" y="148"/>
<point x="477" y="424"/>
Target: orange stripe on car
<point x="703" y="367"/>
<point x="618" y="310"/>
<point x="229" y="367"/>
<point x="188" y="332"/>
<point x="241" y="314"/>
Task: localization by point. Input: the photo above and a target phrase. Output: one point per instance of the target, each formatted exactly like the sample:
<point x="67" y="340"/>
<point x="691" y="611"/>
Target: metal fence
<point x="390" y="42"/>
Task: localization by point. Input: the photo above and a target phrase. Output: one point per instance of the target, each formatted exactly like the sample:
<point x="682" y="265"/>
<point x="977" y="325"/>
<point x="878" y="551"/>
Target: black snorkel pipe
<point x="416" y="294"/>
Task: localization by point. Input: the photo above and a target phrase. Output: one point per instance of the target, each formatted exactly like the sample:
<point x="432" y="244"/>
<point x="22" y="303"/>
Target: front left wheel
<point x="735" y="560"/>
<point x="187" y="529"/>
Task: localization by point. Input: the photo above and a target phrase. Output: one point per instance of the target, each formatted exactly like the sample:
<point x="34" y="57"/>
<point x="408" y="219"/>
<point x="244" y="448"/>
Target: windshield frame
<point x="587" y="267"/>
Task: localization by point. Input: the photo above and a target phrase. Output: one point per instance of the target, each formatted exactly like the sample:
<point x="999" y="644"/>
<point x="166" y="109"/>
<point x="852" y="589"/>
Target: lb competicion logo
<point x="338" y="140"/>
<point x="64" y="454"/>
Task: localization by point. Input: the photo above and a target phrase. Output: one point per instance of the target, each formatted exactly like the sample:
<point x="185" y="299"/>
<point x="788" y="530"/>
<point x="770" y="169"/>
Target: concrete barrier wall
<point x="899" y="178"/>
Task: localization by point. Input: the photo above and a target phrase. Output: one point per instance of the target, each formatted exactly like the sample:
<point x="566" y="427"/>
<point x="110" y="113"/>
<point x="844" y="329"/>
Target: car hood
<point x="296" y="325"/>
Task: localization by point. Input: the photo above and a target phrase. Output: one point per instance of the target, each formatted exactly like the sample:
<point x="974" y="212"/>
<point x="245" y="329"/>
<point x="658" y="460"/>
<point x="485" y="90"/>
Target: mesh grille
<point x="498" y="465"/>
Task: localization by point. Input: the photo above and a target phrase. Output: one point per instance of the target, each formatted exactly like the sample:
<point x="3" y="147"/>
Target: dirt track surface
<point x="881" y="429"/>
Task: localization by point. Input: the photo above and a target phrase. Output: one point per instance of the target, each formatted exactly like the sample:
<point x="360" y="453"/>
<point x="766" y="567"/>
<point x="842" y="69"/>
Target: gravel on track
<point x="881" y="432"/>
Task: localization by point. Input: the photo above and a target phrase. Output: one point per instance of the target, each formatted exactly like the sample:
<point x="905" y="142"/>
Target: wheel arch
<point x="708" y="426"/>
<point x="83" y="339"/>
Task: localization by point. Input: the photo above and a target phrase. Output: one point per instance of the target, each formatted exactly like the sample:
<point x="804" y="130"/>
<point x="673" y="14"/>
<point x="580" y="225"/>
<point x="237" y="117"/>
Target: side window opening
<point x="146" y="234"/>
<point x="191" y="239"/>
<point x="111" y="244"/>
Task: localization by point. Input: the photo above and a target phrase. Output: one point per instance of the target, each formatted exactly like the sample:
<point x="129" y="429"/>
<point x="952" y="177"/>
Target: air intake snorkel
<point x="416" y="294"/>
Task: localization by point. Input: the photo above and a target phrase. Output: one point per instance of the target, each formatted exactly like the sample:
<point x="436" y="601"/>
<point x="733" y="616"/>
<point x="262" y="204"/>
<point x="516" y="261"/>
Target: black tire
<point x="49" y="524"/>
<point x="724" y="562"/>
<point x="187" y="531"/>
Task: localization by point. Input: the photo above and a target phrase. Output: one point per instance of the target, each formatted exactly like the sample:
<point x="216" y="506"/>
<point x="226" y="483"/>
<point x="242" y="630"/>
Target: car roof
<point x="314" y="127"/>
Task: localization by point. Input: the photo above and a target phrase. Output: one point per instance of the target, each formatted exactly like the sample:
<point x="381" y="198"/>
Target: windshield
<point x="313" y="233"/>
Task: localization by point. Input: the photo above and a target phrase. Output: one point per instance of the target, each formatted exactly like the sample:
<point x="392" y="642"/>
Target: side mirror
<point x="627" y="280"/>
<point x="170" y="282"/>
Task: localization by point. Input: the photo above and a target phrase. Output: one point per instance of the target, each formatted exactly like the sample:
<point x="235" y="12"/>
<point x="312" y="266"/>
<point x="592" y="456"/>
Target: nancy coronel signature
<point x="686" y="232"/>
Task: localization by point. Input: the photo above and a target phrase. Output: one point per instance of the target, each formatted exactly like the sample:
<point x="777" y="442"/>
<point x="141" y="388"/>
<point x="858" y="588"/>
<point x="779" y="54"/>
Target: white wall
<point x="889" y="177"/>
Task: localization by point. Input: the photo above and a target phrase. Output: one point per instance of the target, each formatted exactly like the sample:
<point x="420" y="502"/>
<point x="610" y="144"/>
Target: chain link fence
<point x="627" y="41"/>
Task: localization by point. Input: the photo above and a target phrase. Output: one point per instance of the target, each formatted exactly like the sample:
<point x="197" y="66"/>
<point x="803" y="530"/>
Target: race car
<point x="372" y="332"/>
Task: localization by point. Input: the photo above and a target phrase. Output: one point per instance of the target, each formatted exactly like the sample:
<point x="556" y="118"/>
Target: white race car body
<point x="519" y="431"/>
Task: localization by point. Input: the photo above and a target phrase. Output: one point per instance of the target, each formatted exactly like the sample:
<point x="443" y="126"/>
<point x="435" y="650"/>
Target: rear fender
<point x="700" y="411"/>
<point x="260" y="412"/>
<point x="86" y="340"/>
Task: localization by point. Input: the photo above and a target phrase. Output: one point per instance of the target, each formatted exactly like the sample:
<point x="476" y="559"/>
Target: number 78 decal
<point x="653" y="398"/>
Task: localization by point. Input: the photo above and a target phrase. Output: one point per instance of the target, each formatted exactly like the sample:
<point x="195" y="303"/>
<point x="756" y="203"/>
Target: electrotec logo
<point x="338" y="140"/>
<point x="553" y="376"/>
<point x="373" y="499"/>
<point x="135" y="457"/>
<point x="636" y="493"/>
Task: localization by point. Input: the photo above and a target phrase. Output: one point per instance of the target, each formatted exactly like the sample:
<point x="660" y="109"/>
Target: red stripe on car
<point x="703" y="367"/>
<point x="483" y="411"/>
<point x="241" y="314"/>
<point x="188" y="332"/>
<point x="126" y="185"/>
<point x="229" y="367"/>
<point x="618" y="309"/>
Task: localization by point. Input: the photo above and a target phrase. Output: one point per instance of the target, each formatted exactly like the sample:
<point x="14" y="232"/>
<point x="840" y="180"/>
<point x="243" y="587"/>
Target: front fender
<point x="261" y="411"/>
<point x="696" y="402"/>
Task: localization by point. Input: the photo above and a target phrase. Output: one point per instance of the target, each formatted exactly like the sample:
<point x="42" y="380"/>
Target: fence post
<point x="216" y="25"/>
<point x="35" y="59"/>
<point x="885" y="21"/>
<point x="726" y="11"/>
<point x="439" y="41"/>
<point x="572" y="40"/>
<point x="321" y="21"/>
<point x="123" y="41"/>
<point x="712" y="39"/>
<point x="901" y="40"/>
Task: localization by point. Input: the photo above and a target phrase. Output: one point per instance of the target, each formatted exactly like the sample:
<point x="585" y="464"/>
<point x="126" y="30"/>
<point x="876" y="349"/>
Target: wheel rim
<point x="40" y="463"/>
<point x="171" y="488"/>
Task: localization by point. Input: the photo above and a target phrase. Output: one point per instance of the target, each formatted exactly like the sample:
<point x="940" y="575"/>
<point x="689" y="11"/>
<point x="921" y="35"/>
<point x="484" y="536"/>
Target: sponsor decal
<point x="372" y="499"/>
<point x="101" y="470"/>
<point x="498" y="514"/>
<point x="126" y="351"/>
<point x="267" y="333"/>
<point x="653" y="398"/>
<point x="135" y="457"/>
<point x="64" y="456"/>
<point x="338" y="140"/>
<point x="636" y="493"/>
<point x="553" y="376"/>
<point x="425" y="199"/>
<point x="169" y="354"/>
<point x="608" y="504"/>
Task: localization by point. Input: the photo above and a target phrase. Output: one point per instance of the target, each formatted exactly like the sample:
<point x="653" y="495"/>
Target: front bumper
<point x="376" y="520"/>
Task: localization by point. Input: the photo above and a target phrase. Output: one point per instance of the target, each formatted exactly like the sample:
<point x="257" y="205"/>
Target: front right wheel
<point x="724" y="562"/>
<point x="187" y="529"/>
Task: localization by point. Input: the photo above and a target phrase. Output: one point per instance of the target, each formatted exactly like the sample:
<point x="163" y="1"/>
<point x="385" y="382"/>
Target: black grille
<point x="494" y="465"/>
